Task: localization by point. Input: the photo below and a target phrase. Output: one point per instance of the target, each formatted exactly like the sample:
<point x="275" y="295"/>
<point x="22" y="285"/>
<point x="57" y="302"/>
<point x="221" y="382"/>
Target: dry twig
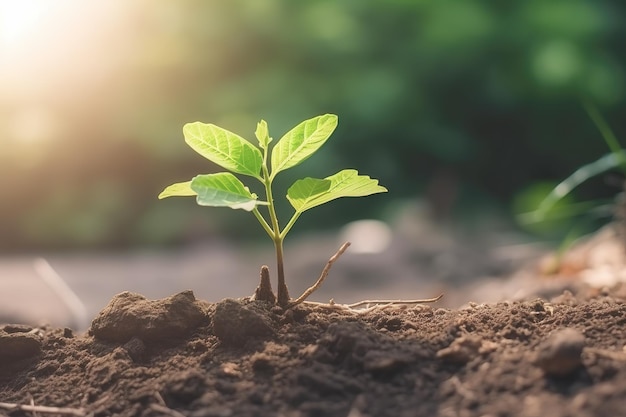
<point x="166" y="410"/>
<point x="43" y="409"/>
<point x="352" y="308"/>
<point x="322" y="277"/>
<point x="162" y="407"/>
<point x="372" y="305"/>
<point x="394" y="302"/>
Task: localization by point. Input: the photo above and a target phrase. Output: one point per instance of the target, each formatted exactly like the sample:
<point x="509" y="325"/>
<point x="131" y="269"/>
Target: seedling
<point x="263" y="163"/>
<point x="616" y="158"/>
<point x="548" y="210"/>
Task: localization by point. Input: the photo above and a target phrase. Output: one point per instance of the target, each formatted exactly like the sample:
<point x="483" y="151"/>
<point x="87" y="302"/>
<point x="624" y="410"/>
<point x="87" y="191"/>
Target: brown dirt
<point x="241" y="358"/>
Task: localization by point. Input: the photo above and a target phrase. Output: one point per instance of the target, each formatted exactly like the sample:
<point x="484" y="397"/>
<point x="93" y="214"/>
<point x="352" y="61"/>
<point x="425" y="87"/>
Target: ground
<point x="184" y="357"/>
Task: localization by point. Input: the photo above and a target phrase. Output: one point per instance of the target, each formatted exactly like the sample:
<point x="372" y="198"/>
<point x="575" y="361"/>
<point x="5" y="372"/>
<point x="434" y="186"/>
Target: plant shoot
<point x="263" y="162"/>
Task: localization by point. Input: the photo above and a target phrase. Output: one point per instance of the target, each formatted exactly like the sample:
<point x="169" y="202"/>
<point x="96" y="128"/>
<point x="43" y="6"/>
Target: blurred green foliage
<point x="550" y="209"/>
<point x="457" y="101"/>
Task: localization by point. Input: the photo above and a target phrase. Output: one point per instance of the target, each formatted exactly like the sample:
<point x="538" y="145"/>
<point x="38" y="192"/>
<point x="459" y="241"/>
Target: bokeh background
<point x="467" y="111"/>
<point x="471" y="106"/>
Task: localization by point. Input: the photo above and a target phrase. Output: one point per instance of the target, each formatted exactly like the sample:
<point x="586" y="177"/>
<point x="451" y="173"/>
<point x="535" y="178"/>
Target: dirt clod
<point x="560" y="354"/>
<point x="18" y="345"/>
<point x="131" y="315"/>
<point x="462" y="350"/>
<point x="235" y="323"/>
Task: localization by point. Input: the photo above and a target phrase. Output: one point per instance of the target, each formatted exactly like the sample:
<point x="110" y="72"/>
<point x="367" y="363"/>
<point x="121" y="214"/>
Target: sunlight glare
<point x="19" y="18"/>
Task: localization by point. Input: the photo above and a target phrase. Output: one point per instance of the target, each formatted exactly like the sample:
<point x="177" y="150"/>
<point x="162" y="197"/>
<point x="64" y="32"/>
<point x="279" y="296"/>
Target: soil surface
<point x="180" y="356"/>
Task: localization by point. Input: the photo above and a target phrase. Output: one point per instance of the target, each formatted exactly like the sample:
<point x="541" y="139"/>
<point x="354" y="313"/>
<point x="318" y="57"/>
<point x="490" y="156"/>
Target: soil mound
<point x="183" y="357"/>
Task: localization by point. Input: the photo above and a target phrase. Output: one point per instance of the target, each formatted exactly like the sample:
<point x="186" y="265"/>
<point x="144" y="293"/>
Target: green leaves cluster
<point x="237" y="155"/>
<point x="263" y="162"/>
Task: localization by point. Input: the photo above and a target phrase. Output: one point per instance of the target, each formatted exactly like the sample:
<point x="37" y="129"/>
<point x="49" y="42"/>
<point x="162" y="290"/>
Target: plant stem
<point x="264" y="224"/>
<point x="290" y="224"/>
<point x="277" y="238"/>
<point x="282" y="291"/>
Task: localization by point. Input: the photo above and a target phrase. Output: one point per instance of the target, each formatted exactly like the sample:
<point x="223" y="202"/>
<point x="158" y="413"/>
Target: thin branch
<point x="378" y="305"/>
<point x="395" y="302"/>
<point x="290" y="224"/>
<point x="263" y="222"/>
<point x="339" y="307"/>
<point x="162" y="407"/>
<point x="165" y="410"/>
<point x="43" y="409"/>
<point x="322" y="277"/>
<point x="159" y="398"/>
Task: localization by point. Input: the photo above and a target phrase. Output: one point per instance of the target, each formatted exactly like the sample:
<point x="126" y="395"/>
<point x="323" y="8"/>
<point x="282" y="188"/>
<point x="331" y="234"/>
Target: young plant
<point x="616" y="158"/>
<point x="263" y="163"/>
<point x="553" y="208"/>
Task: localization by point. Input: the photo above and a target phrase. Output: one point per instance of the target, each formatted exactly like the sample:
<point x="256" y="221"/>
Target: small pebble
<point x="136" y="349"/>
<point x="560" y="354"/>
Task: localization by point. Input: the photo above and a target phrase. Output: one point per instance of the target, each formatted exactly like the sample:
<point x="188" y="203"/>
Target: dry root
<point x="264" y="292"/>
<point x="367" y="306"/>
<point x="322" y="277"/>
<point x="32" y="408"/>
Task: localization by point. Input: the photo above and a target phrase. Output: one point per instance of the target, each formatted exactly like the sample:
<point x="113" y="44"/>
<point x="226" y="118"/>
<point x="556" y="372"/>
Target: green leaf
<point x="312" y="192"/>
<point x="303" y="191"/>
<point x="224" y="148"/>
<point x="302" y="141"/>
<point x="262" y="134"/>
<point x="223" y="189"/>
<point x="180" y="189"/>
